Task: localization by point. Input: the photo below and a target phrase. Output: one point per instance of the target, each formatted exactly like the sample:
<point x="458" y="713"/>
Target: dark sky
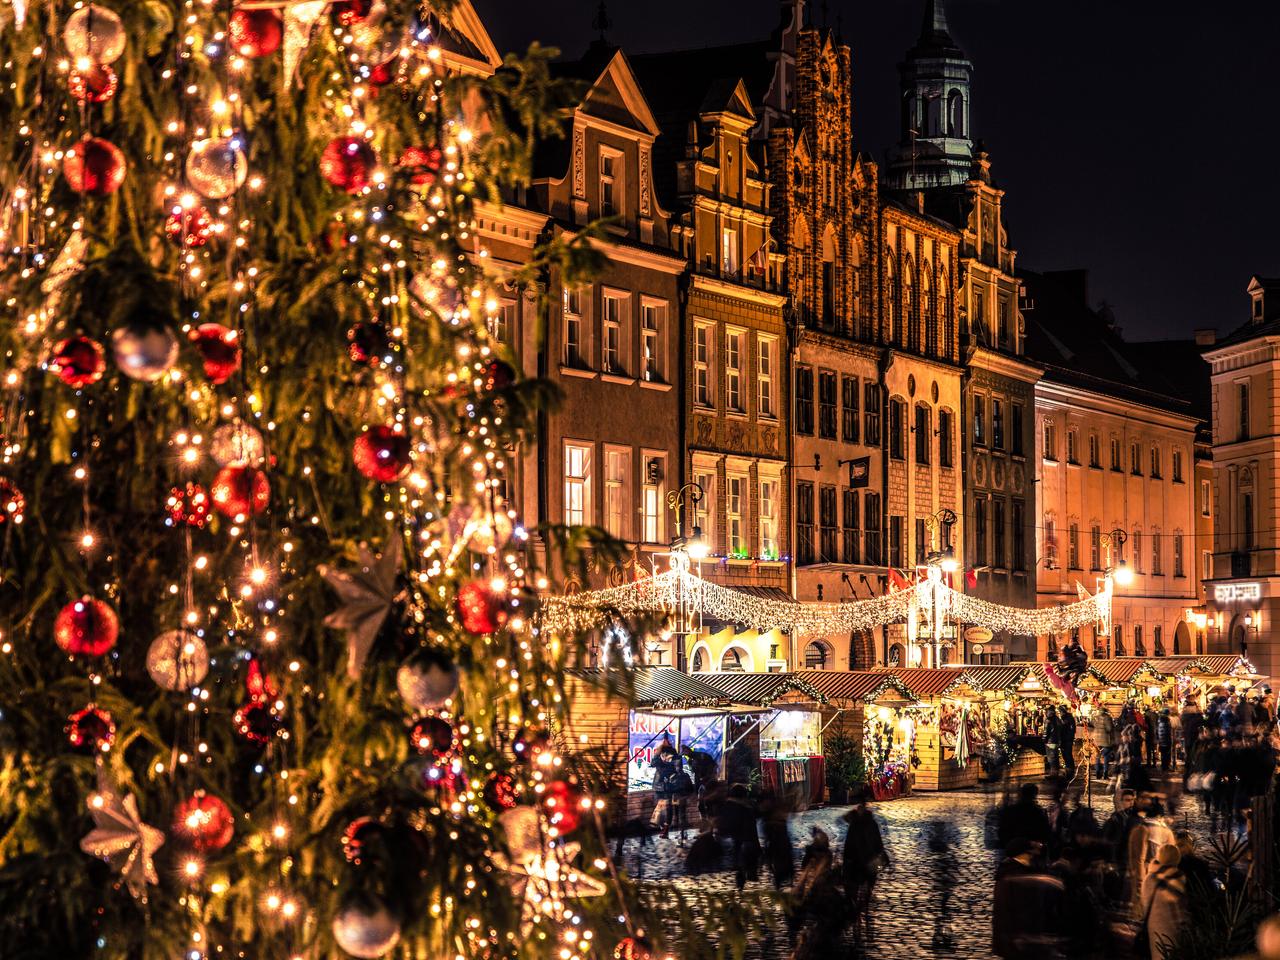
<point x="1137" y="138"/>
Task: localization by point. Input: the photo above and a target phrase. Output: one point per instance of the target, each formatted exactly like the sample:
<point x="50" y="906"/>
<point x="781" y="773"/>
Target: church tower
<point x="935" y="147"/>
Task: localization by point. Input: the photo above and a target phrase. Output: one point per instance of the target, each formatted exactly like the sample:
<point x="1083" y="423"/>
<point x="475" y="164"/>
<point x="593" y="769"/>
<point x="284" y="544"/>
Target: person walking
<point x="1025" y="819"/>
<point x="665" y="765"/>
<point x="1052" y="757"/>
<point x="864" y="859"/>
<point x="1150" y="718"/>
<point x="1164" y="903"/>
<point x="737" y="821"/>
<point x="1192" y="723"/>
<point x="816" y="916"/>
<point x="1102" y="729"/>
<point x="1164" y="739"/>
<point x="1067" y="740"/>
<point x="775" y="813"/>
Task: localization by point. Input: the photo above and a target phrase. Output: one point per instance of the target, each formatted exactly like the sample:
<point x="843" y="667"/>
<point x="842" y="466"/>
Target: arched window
<point x="891" y="298"/>
<point x="896" y="658"/>
<point x="732" y="661"/>
<point x="797" y="263"/>
<point x="699" y="660"/>
<point x="855" y="275"/>
<point x="817" y="656"/>
<point x="944" y="312"/>
<point x="829" y="277"/>
<point x="928" y="315"/>
<point x="906" y="328"/>
<point x="955" y="114"/>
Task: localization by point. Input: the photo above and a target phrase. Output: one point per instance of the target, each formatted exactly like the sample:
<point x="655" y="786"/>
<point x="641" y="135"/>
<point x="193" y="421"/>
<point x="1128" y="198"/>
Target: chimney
<point x="1206" y="337"/>
<point x="919" y="201"/>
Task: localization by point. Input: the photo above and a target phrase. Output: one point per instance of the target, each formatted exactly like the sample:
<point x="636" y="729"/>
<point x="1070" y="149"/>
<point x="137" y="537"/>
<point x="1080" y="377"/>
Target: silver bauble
<point x="237" y="444"/>
<point x="216" y="168"/>
<point x="177" y="660"/>
<point x="94" y="33"/>
<point x="427" y="683"/>
<point x="365" y="928"/>
<point x="144" y="353"/>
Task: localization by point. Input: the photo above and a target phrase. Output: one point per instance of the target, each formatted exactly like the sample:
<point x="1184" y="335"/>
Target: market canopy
<point x="657" y="688"/>
<point x="926" y="683"/>
<point x="759" y="689"/>
<point x="861" y="686"/>
<point x="998" y="679"/>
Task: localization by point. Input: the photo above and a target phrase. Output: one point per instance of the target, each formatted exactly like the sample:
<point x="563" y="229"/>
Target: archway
<point x="736" y="659"/>
<point x="700" y="662"/>
<point x="1181" y="638"/>
<point x="818" y="656"/>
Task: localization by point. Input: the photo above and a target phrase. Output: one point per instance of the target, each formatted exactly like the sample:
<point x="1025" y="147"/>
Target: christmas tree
<point x="271" y="679"/>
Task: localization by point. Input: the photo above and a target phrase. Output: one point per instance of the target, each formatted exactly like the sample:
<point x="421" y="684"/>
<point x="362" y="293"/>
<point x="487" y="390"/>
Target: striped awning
<point x="996" y="679"/>
<point x="760" y="689"/>
<point x="1177" y="666"/>
<point x="1120" y="669"/>
<point x="657" y="687"/>
<point x="925" y="683"/>
<point x="1225" y="664"/>
<point x="862" y="686"/>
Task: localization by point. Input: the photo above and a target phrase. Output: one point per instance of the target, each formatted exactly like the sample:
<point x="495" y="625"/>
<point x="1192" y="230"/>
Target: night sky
<point x="1137" y="138"/>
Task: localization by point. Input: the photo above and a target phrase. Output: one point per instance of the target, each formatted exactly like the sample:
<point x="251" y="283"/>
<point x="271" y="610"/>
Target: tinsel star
<point x="367" y="595"/>
<point x="121" y="838"/>
<point x="541" y="873"/>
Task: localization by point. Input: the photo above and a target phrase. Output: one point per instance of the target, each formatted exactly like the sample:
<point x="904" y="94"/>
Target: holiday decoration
<point x="422" y="164"/>
<point x="13" y="505"/>
<point x="78" y="361"/>
<point x="189" y="504"/>
<point x="347" y="12"/>
<point x="530" y="744"/>
<point x="237" y="444"/>
<point x="368" y="343"/>
<point x="536" y="870"/>
<point x="382" y="453"/>
<point x="632" y="948"/>
<point x="427" y="681"/>
<point x="299" y="19"/>
<point x="347" y="163"/>
<point x="91" y="729"/>
<point x="203" y="822"/>
<point x="121" y="838"/>
<point x="365" y="927"/>
<point x="177" y="660"/>
<point x="367" y="595"/>
<point x="94" y="33"/>
<point x="479" y="527"/>
<point x="258" y="721"/>
<point x="480" y="608"/>
<point x="97" y="83"/>
<point x="501" y="790"/>
<point x="498" y="375"/>
<point x="562" y="803"/>
<point x="190" y="226"/>
<point x="144" y="353"/>
<point x="86" y="627"/>
<point x="434" y="737"/>
<point x="94" y="166"/>
<point x="219" y="348"/>
<point x="216" y="168"/>
<point x="240" y="491"/>
<point x="356" y="838"/>
<point x="255" y="32"/>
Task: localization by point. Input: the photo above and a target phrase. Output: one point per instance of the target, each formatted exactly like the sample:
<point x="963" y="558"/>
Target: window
<point x="704" y="511"/>
<point x="1176" y="458"/>
<point x="897" y="429"/>
<point x="998" y="531"/>
<point x="944" y="438"/>
<point x="804" y="522"/>
<point x="1244" y="410"/>
<point x="1095" y="451"/>
<point x="980" y="331"/>
<point x="871" y="518"/>
<point x="1050" y="440"/>
<point x="1155" y="462"/>
<point x="826" y="405"/>
<point x="849" y="409"/>
<point x="574" y="348"/>
<point x="1157" y="639"/>
<point x="610" y="167"/>
<point x="924" y="433"/>
<point x="1050" y="544"/>
<point x="1206" y="564"/>
<point x="1136" y="537"/>
<point x="729" y="251"/>
<point x="1015" y="424"/>
<point x="653" y="320"/>
<point x="979" y="419"/>
<point x="871" y="415"/>
<point x="1115" y="455"/>
<point x="804" y="401"/>
<point x="829" y="532"/>
<point x="1095" y="548"/>
<point x="733" y="370"/>
<point x="577" y="484"/>
<point x="1072" y="453"/>
<point x="1157" y="567"/>
<point x="765" y="363"/>
<point x="1177" y="556"/>
<point x="1073" y="547"/>
<point x="1119" y="641"/>
<point x="1246" y="520"/>
<point x="1206" y="497"/>
<point x="1005" y="322"/>
<point x="769" y="519"/>
<point x="703" y="350"/>
<point x="1019" y="559"/>
<point x="613" y="310"/>
<point x="1135" y="459"/>
<point x="815" y="656"/>
<point x="895" y="542"/>
<point x="652" y="499"/>
<point x="1139" y="649"/>
<point x="852" y="524"/>
<point x="617" y="476"/>
<point x="997" y="424"/>
<point x="503" y="321"/>
<point x="980" y="531"/>
<point x="922" y="541"/>
<point x="735" y="506"/>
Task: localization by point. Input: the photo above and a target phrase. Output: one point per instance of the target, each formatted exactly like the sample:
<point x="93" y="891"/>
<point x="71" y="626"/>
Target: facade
<point x="1115" y="471"/>
<point x="1244" y="593"/>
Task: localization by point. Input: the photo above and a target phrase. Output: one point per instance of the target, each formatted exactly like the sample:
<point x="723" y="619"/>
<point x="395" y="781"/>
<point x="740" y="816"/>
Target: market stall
<point x="937" y="734"/>
<point x="1015" y="703"/>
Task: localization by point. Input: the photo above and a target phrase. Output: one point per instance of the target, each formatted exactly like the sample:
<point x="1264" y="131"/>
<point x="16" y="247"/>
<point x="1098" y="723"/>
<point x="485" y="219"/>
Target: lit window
<point x="729" y="251"/>
<point x="769" y="519"/>
<point x="766" y="346"/>
<point x="503" y="321"/>
<point x="703" y="351"/>
<point x="612" y="321"/>
<point x="652" y="495"/>
<point x="609" y="169"/>
<point x="573" y="345"/>
<point x="734" y="508"/>
<point x="617" y="475"/>
<point x="653" y="317"/>
<point x="733" y="370"/>
<point x="704" y="511"/>
<point x="577" y="484"/>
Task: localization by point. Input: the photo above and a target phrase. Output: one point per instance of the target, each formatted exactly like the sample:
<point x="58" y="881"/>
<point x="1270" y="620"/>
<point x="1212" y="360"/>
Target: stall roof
<point x="925" y="683"/>
<point x="997" y="678"/>
<point x="760" y="689"/>
<point x="1176" y="666"/>
<point x="661" y="687"/>
<point x="1224" y="664"/>
<point x="1120" y="669"/>
<point x="862" y="685"/>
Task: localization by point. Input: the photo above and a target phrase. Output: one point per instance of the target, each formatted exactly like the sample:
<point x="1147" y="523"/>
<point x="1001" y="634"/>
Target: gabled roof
<point x="1121" y="669"/>
<point x="863" y="686"/>
<point x="925" y="683"/>
<point x="656" y="687"/>
<point x="760" y="689"/>
<point x="464" y="36"/>
<point x="997" y="679"/>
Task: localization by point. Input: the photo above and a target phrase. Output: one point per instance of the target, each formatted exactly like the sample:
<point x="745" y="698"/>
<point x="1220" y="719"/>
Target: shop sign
<point x="1236" y="592"/>
<point x="646" y="733"/>
<point x="978" y="635"/>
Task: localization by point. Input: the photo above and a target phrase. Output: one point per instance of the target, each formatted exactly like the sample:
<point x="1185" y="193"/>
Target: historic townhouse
<point x="1115" y="451"/>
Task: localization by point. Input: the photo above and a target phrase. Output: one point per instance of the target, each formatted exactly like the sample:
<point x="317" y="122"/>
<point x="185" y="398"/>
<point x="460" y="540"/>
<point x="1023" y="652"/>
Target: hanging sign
<point x="1234" y="592"/>
<point x="978" y="635"/>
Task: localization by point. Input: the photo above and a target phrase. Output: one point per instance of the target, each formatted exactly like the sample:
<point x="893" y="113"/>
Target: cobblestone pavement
<point x="938" y="889"/>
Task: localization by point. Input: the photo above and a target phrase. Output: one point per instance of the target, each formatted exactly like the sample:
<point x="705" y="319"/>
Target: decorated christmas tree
<point x="271" y="678"/>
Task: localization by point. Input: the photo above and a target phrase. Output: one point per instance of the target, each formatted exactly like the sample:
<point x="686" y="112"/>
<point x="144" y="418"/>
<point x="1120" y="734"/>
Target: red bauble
<point x="97" y="84"/>
<point x="381" y="74"/>
<point x="13" y="505"/>
<point x="422" y="164"/>
<point x="91" y="729"/>
<point x="442" y="782"/>
<point x="189" y="226"/>
<point x="347" y="12"/>
<point x="498" y="375"/>
<point x="94" y="166"/>
<point x="78" y="361"/>
<point x="368" y="343"/>
<point x="359" y="833"/>
<point x="258" y="722"/>
<point x="501" y="790"/>
<point x="562" y="803"/>
<point x="530" y="744"/>
<point x="632" y="948"/>
<point x="203" y="822"/>
<point x="434" y="737"/>
<point x="189" y="504"/>
<point x="255" y="33"/>
<point x="347" y="163"/>
<point x="240" y="491"/>
<point x="479" y="608"/>
<point x="86" y="627"/>
<point x="382" y="453"/>
<point x="219" y="348"/>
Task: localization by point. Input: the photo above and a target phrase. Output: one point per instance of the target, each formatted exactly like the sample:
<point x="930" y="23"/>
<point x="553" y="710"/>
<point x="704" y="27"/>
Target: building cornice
<point x="1079" y="398"/>
<point x="1001" y="364"/>
<point x="738" y="291"/>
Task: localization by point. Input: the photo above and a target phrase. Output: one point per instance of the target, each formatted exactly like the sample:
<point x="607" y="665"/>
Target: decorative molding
<point x="579" y="162"/>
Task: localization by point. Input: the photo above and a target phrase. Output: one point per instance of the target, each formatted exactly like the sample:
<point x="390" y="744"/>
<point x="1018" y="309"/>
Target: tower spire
<point x="935" y="19"/>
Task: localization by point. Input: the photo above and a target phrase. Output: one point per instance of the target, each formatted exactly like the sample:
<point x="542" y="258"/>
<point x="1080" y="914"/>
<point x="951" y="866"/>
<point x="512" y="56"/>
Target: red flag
<point x="971" y="579"/>
<point x="897" y="581"/>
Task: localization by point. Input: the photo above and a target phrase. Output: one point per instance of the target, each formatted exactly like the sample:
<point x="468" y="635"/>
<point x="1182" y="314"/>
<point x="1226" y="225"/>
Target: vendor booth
<point x="1016" y="701"/>
<point x="942" y="727"/>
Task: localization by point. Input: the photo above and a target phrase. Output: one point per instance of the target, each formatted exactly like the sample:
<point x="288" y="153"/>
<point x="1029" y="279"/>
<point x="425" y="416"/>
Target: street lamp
<point x="1117" y="574"/>
<point x="683" y="550"/>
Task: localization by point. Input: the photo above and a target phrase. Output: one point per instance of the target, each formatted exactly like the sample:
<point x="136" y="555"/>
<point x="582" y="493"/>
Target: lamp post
<point x="1116" y="574"/>
<point x="683" y="550"/>
<point x="937" y="562"/>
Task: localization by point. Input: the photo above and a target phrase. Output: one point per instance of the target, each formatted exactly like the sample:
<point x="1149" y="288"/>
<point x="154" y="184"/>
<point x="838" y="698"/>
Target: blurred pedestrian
<point x="1024" y="819"/>
<point x="1164" y="738"/>
<point x="1150" y="719"/>
<point x="737" y="823"/>
<point x="1102" y="729"/>
<point x="1052" y="754"/>
<point x="1027" y="920"/>
<point x="864" y="859"/>
<point x="665" y="765"/>
<point x="1192" y="723"/>
<point x="817" y="915"/>
<point x="775" y="811"/>
<point x="1067" y="740"/>
<point x="1164" y="903"/>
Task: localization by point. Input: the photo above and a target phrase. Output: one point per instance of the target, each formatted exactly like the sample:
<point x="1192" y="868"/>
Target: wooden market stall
<point x="939" y="727"/>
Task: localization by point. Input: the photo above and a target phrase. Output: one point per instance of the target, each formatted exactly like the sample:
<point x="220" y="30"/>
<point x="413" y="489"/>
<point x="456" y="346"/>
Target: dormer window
<point x="610" y="182"/>
<point x="1257" y="306"/>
